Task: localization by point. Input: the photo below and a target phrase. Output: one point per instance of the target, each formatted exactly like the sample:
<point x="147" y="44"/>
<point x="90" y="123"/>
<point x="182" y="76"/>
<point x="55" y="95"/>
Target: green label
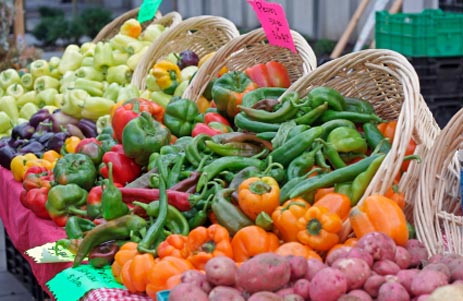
<point x="148" y="9"/>
<point x="49" y="253"/>
<point x="72" y="284"/>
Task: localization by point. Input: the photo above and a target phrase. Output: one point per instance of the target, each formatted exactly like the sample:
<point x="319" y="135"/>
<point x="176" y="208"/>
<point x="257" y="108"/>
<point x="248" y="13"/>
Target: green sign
<point x="148" y="9"/>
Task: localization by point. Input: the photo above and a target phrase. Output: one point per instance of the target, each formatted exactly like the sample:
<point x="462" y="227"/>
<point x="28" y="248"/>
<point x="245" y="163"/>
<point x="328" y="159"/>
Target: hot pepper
<point x="253" y="97"/>
<point x="205" y="243"/>
<point x="345" y="139"/>
<point x="228" y="92"/>
<point x="244" y="149"/>
<point x="319" y="95"/>
<point x="125" y="168"/>
<point x="256" y="195"/>
<point x="168" y="75"/>
<point x="64" y="200"/>
<point x="76" y="227"/>
<point x="302" y="164"/>
<point x="112" y="205"/>
<point x="180" y="116"/>
<point x="35" y="200"/>
<point x="361" y="182"/>
<point x="285" y="218"/>
<point x="142" y="136"/>
<point x="270" y="74"/>
<point x="358" y="105"/>
<point x="319" y="228"/>
<point x="77" y="169"/>
<point x="352" y="116"/>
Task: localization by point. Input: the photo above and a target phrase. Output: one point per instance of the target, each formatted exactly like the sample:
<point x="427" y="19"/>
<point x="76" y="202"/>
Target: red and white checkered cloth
<point x="114" y="294"/>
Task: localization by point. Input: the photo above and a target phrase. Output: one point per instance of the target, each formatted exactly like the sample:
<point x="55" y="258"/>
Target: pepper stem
<point x="314" y="226"/>
<point x="208" y="246"/>
<point x="260" y="187"/>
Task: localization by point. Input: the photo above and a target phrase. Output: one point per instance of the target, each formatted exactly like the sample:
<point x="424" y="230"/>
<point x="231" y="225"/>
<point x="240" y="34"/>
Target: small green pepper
<point x="345" y="139"/>
<point x="112" y="205"/>
<point x="180" y="116"/>
<point x="358" y="105"/>
<point x="319" y="95"/>
<point x="77" y="226"/>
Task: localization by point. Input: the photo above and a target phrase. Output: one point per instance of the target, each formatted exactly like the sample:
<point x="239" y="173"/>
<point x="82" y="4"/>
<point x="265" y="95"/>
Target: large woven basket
<point x="388" y="81"/>
<point x="438" y="210"/>
<point x="112" y="28"/>
<point x="250" y="49"/>
<point x="202" y="34"/>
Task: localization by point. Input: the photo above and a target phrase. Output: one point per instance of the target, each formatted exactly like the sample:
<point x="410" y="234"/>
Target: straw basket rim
<point x="172" y="38"/>
<point x="112" y="27"/>
<point x="254" y="38"/>
<point x="438" y="212"/>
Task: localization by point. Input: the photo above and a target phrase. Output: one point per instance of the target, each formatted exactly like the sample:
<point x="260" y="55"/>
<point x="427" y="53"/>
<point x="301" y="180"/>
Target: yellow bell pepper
<point x="70" y="145"/>
<point x="20" y="164"/>
<point x="168" y="76"/>
<point x="51" y="156"/>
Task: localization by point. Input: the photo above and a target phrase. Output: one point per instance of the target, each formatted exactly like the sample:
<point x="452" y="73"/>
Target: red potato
<point x="373" y="284"/>
<point x="285" y="291"/>
<point x="448" y="258"/>
<point x="264" y="296"/>
<point x="362" y="254"/>
<point x="328" y="285"/>
<point x="403" y="258"/>
<point x="356" y="271"/>
<point x="221" y="270"/>
<point x="456" y="269"/>
<point x="406" y="277"/>
<point x="386" y="267"/>
<point x="426" y="281"/>
<point x="379" y="245"/>
<point x="361" y="294"/>
<point x="263" y="272"/>
<point x="197" y="278"/>
<point x="293" y="297"/>
<point x="298" y="266"/>
<point x="392" y="291"/>
<point x="313" y="266"/>
<point x="187" y="291"/>
<point x="302" y="288"/>
<point x="349" y="298"/>
<point x="418" y="252"/>
<point x="340" y="252"/>
<point x="220" y="293"/>
<point x="440" y="267"/>
<point x="422" y="298"/>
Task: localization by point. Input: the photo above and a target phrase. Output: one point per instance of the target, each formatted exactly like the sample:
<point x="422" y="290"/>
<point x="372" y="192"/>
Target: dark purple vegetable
<point x="56" y="142"/>
<point x="4" y="141"/>
<point x="45" y="126"/>
<point x="22" y="131"/>
<point x="42" y="137"/>
<point x="187" y="58"/>
<point x="32" y="147"/>
<point x="74" y="130"/>
<point x="88" y="127"/>
<point x="7" y="153"/>
<point x="39" y="116"/>
<point x="60" y="120"/>
<point x="17" y="143"/>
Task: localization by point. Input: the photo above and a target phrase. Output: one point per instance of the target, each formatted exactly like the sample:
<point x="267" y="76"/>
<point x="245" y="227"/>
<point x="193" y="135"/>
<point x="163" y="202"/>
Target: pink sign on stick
<point x="272" y="17"/>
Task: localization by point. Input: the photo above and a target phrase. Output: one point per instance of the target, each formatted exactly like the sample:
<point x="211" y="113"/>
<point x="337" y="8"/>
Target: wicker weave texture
<point x="250" y="49"/>
<point x="438" y="210"/>
<point x="202" y="34"/>
<point x="388" y="81"/>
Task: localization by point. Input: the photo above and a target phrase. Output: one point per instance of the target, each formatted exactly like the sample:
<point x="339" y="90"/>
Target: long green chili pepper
<point x="320" y="160"/>
<point x="147" y="244"/>
<point x="228" y="215"/>
<point x="344" y="188"/>
<point x="352" y="116"/>
<point x="312" y="115"/>
<point x="266" y="135"/>
<point x="287" y="188"/>
<point x="332" y="154"/>
<point x="375" y="138"/>
<point x="302" y="164"/>
<point x="192" y="150"/>
<point x="361" y="182"/>
<point x="121" y="228"/>
<point x="76" y="226"/>
<point x="286" y="111"/>
<point x="340" y="175"/>
<point x="174" y="173"/>
<point x="200" y="217"/>
<point x="358" y="105"/>
<point x="244" y="149"/>
<point x="335" y="123"/>
<point x="247" y="124"/>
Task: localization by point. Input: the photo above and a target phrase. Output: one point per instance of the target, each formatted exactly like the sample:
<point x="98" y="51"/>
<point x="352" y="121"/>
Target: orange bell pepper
<point x="256" y="195"/>
<point x="336" y="203"/>
<point x="134" y="274"/>
<point x="294" y="248"/>
<point x="252" y="240"/>
<point x="173" y="245"/>
<point x="319" y="228"/>
<point x="204" y="243"/>
<point x="285" y="218"/>
<point x="126" y="252"/>
<point x="131" y="28"/>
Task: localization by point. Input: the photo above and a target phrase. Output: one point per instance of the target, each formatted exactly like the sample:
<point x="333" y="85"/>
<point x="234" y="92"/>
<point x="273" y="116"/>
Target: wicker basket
<point x="112" y="28"/>
<point x="388" y="81"/>
<point x="438" y="210"/>
<point x="250" y="49"/>
<point x="202" y="34"/>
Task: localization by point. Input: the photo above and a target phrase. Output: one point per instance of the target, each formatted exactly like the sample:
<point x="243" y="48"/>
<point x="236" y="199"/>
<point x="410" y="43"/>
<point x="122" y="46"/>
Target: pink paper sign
<point x="272" y="17"/>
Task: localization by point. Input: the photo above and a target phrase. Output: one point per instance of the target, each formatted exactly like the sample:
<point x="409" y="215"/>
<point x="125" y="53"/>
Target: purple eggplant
<point x="7" y="153"/>
<point x="88" y="127"/>
<point x="60" y="119"/>
<point x="32" y="147"/>
<point x="74" y="130"/>
<point x="39" y="116"/>
<point x="56" y="142"/>
<point x="22" y="131"/>
<point x="187" y="58"/>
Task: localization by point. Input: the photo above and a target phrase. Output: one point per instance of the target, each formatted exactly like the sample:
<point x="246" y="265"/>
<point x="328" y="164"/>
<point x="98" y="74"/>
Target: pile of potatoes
<point x="374" y="269"/>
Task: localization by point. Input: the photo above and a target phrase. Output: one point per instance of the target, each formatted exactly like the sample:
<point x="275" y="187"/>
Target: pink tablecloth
<point x="27" y="230"/>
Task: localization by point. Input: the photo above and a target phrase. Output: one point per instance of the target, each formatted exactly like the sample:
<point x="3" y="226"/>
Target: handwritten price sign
<point x="272" y="17"/>
<point x="148" y="9"/>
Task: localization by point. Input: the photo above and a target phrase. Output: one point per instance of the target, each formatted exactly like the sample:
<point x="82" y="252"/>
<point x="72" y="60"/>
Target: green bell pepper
<point x="180" y="116"/>
<point x="27" y="81"/>
<point x="320" y="95"/>
<point x="120" y="74"/>
<point x="15" y="90"/>
<point x="45" y="82"/>
<point x="77" y="169"/>
<point x="39" y="68"/>
<point x="345" y="139"/>
<point x="9" y="77"/>
<point x="64" y="200"/>
<point x="142" y="136"/>
<point x="228" y="92"/>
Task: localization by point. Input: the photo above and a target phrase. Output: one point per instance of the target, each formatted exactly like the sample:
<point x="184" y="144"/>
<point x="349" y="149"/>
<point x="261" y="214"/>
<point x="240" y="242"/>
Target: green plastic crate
<point x="432" y="33"/>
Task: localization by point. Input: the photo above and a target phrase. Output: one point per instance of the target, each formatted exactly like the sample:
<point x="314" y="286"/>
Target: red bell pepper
<point x="215" y="117"/>
<point x="202" y="128"/>
<point x="125" y="170"/>
<point x="35" y="200"/>
<point x="37" y="177"/>
<point x="270" y="74"/>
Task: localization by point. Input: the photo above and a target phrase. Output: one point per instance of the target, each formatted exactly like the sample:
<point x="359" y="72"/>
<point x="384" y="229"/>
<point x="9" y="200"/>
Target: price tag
<point x="148" y="9"/>
<point x="72" y="284"/>
<point x="49" y="253"/>
<point x="272" y="17"/>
